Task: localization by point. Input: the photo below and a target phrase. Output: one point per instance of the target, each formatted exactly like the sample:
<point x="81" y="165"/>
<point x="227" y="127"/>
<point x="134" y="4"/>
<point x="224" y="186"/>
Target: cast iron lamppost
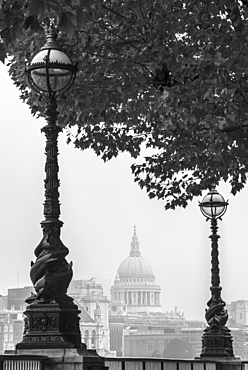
<point x="51" y="318"/>
<point x="217" y="339"/>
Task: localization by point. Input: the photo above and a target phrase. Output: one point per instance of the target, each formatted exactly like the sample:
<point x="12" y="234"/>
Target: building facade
<point x="17" y="297"/>
<point x="11" y="329"/>
<point x="238" y="312"/>
<point x="94" y="325"/>
<point x="135" y="289"/>
<point x="89" y="297"/>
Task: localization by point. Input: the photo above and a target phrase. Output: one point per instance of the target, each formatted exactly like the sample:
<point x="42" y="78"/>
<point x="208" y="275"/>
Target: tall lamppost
<point x="51" y="318"/>
<point x="217" y="339"/>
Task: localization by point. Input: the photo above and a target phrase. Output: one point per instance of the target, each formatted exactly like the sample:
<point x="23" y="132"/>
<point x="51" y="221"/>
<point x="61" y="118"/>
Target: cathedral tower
<point x="134" y="288"/>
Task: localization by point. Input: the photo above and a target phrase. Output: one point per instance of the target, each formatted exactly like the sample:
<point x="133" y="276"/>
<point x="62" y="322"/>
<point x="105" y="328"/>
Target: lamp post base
<point x="68" y="358"/>
<point x="52" y="325"/>
<point x="217" y="344"/>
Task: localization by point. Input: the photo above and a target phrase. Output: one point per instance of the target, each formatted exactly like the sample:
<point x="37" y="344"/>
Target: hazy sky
<point x="100" y="204"/>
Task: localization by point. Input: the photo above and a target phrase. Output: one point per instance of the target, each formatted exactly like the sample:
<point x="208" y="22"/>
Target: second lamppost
<point x="217" y="339"/>
<point x="51" y="318"/>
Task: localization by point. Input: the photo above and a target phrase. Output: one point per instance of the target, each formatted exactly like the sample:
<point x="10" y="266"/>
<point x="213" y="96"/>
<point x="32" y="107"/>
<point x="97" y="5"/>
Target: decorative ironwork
<point x="51" y="274"/>
<point x="44" y="322"/>
<point x="50" y="309"/>
<point x="51" y="70"/>
<point x="217" y="339"/>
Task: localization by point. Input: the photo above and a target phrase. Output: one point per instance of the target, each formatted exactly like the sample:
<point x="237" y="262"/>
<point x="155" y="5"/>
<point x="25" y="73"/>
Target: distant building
<point x="238" y="313"/>
<point x="94" y="324"/>
<point x="134" y="288"/>
<point x="147" y="342"/>
<point x="137" y="325"/>
<point x="17" y="297"/>
<point x="193" y="335"/>
<point x="3" y="302"/>
<point x="240" y="342"/>
<point x="116" y="337"/>
<point x="92" y="303"/>
<point x="11" y="329"/>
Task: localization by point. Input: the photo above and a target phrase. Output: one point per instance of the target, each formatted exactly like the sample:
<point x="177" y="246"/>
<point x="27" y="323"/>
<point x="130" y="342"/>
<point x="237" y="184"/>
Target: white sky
<point x="100" y="203"/>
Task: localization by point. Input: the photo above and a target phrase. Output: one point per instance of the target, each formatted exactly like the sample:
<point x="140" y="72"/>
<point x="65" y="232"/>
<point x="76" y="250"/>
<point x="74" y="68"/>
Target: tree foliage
<point x="179" y="349"/>
<point x="166" y="75"/>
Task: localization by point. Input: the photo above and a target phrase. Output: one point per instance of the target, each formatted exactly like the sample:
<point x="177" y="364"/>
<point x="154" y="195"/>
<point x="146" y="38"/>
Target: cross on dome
<point x="135" y="244"/>
<point x="135" y="265"/>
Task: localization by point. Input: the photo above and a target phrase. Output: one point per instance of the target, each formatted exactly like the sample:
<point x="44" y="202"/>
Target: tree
<point x="166" y="75"/>
<point x="179" y="349"/>
<point x="156" y="353"/>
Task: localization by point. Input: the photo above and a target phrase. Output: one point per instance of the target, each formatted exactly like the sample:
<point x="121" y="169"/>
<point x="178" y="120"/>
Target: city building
<point x="136" y="323"/>
<point x="147" y="341"/>
<point x="11" y="329"/>
<point x="17" y="296"/>
<point x="90" y="299"/>
<point x="134" y="288"/>
<point x="94" y="323"/>
<point x="238" y="313"/>
<point x="193" y="335"/>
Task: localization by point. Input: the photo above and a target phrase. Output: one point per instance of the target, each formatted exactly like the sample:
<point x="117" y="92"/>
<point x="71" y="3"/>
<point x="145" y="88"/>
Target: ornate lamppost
<point x="51" y="318"/>
<point x="217" y="339"/>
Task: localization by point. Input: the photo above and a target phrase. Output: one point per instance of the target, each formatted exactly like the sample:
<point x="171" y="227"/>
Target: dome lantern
<point x="135" y="266"/>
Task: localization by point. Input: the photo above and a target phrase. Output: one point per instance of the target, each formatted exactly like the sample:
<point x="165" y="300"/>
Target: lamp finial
<point x="51" y="33"/>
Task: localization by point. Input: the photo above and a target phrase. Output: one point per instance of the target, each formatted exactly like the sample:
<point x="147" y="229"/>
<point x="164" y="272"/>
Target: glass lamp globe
<point x="51" y="70"/>
<point x="213" y="205"/>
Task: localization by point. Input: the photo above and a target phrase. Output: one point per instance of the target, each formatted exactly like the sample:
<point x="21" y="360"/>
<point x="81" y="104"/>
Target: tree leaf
<point x="67" y="23"/>
<point x="2" y="52"/>
<point x="168" y="76"/>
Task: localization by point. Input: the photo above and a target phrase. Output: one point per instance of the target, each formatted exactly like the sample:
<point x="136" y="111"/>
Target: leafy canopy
<point x="167" y="75"/>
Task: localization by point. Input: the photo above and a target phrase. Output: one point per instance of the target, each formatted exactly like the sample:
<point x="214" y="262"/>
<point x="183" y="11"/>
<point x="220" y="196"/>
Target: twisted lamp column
<point x="217" y="339"/>
<point x="51" y="274"/>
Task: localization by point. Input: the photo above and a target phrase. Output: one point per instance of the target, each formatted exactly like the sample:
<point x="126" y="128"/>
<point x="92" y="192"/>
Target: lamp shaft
<point x="51" y="317"/>
<point x="51" y="274"/>
<point x="217" y="339"/>
<point x="215" y="271"/>
<point x="216" y="315"/>
<point x="51" y="205"/>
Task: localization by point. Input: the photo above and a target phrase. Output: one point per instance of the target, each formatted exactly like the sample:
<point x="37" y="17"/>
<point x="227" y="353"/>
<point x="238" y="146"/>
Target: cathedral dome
<point x="135" y="265"/>
<point x="135" y="288"/>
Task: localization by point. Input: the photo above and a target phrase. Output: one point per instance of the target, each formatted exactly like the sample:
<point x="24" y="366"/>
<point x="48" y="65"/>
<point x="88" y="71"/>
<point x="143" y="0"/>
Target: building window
<point x="11" y="328"/>
<point x="11" y="338"/>
<point x="5" y="328"/>
<point x="86" y="338"/>
<point x="240" y="316"/>
<point x="93" y="339"/>
<point x="6" y="337"/>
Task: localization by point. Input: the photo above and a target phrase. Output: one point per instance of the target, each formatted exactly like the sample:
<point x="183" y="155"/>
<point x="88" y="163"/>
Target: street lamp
<point x="51" y="318"/>
<point x="217" y="339"/>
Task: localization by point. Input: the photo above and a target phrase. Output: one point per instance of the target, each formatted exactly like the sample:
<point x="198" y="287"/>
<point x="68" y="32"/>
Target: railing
<point x="29" y="362"/>
<point x="164" y="364"/>
<point x="22" y="362"/>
